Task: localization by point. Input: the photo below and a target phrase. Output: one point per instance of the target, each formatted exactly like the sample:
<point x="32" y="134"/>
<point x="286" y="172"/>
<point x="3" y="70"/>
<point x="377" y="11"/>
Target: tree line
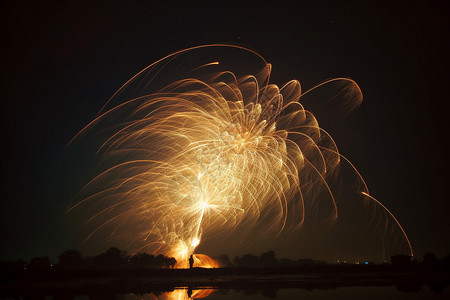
<point x="269" y="259"/>
<point x="266" y="259"/>
<point x="113" y="258"/>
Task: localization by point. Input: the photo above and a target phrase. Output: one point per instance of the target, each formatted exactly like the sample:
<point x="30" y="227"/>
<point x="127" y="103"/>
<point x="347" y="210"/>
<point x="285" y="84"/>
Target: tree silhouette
<point x="400" y="260"/>
<point x="144" y="260"/>
<point x="70" y="259"/>
<point x="224" y="261"/>
<point x="430" y="260"/>
<point x="39" y="264"/>
<point x="268" y="259"/>
<point x="18" y="265"/>
<point x="445" y="261"/>
<point x="112" y="258"/>
<point x="170" y="262"/>
<point x="246" y="261"/>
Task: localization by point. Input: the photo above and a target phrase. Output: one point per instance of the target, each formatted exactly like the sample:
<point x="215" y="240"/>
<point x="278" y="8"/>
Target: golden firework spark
<point x="207" y="154"/>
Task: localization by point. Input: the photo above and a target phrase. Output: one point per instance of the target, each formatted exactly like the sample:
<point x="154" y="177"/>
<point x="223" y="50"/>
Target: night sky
<point x="62" y="61"/>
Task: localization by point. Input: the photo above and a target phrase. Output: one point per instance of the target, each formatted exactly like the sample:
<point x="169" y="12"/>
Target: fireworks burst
<point x="197" y="151"/>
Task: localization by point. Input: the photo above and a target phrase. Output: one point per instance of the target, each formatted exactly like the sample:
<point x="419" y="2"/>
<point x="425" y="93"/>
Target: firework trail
<point x="192" y="150"/>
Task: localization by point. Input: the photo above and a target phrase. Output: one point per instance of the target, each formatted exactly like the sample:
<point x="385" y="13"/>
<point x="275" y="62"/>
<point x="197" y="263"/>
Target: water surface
<point x="370" y="292"/>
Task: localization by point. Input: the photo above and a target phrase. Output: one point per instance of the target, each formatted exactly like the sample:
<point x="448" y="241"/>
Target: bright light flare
<point x="195" y="242"/>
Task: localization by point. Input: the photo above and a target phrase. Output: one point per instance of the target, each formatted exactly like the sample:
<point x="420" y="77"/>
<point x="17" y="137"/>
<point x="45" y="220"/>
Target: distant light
<point x="366" y="263"/>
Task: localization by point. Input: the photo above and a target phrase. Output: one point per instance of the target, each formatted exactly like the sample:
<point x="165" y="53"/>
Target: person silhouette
<point x="191" y="262"/>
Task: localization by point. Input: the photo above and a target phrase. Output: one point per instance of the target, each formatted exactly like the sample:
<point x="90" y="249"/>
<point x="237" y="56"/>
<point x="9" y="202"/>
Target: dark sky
<point x="62" y="61"/>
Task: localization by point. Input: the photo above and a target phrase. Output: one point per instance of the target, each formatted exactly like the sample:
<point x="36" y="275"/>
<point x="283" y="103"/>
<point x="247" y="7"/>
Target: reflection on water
<point x="181" y="294"/>
<point x="178" y="294"/>
<point x="388" y="292"/>
<point x="369" y="292"/>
